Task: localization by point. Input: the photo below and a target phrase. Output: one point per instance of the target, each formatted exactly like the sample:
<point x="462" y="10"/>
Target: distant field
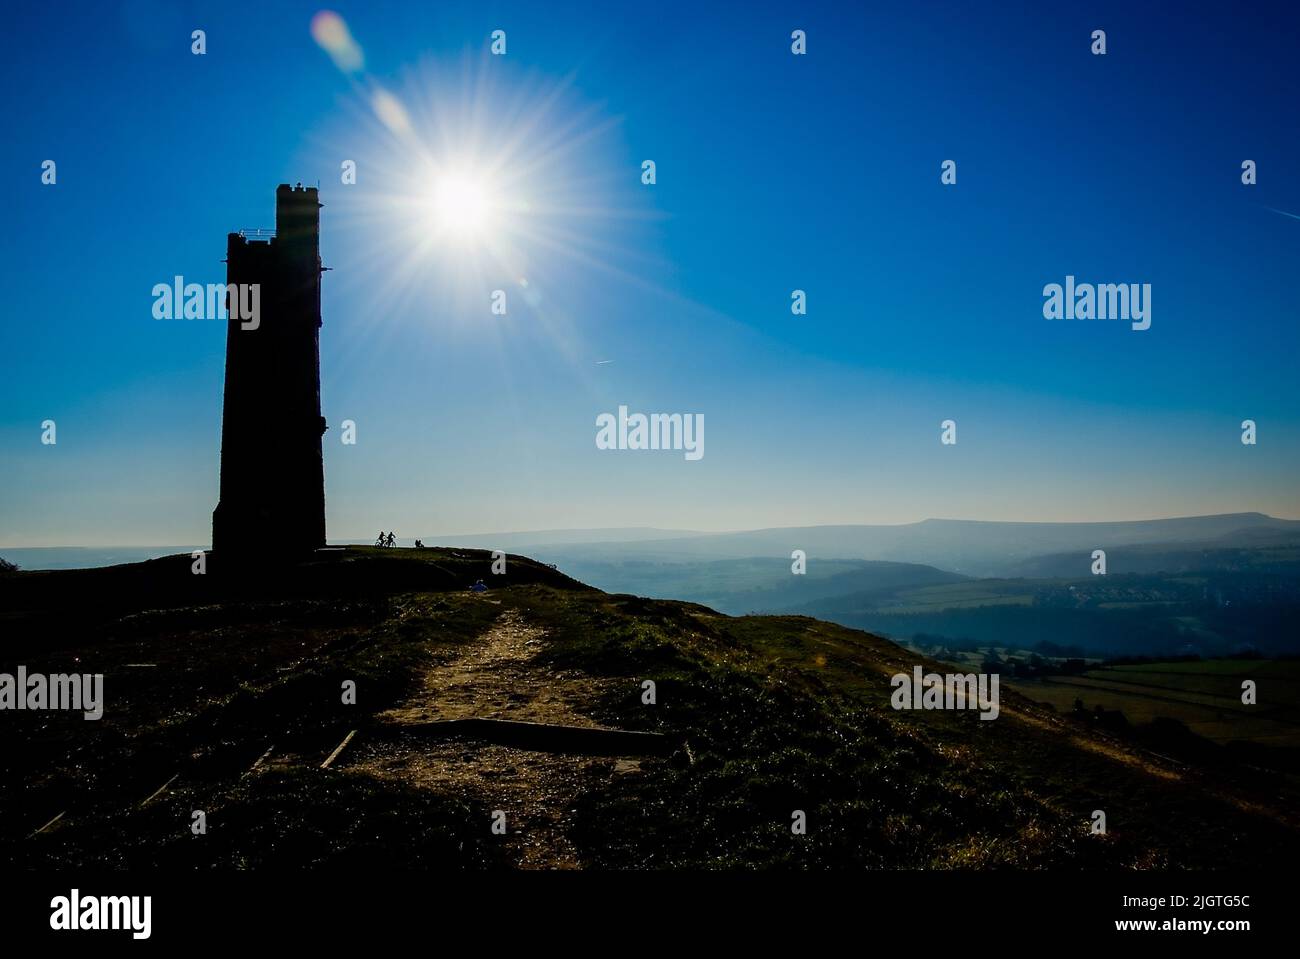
<point x="959" y="596"/>
<point x="1205" y="695"/>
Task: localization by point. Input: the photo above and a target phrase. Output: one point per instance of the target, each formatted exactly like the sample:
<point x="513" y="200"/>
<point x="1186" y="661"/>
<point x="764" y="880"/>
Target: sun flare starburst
<point x="477" y="187"/>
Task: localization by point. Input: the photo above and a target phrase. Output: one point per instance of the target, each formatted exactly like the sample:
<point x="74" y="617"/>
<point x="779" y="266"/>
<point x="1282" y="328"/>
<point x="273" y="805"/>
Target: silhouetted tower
<point x="272" y="470"/>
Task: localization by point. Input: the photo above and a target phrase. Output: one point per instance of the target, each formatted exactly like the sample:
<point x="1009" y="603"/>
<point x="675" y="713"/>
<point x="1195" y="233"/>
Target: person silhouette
<point x="419" y="544"/>
<point x="379" y="540"/>
<point x="392" y="539"/>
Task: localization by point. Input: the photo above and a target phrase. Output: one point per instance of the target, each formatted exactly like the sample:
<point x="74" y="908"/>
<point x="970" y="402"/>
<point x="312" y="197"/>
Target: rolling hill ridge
<point x="223" y="694"/>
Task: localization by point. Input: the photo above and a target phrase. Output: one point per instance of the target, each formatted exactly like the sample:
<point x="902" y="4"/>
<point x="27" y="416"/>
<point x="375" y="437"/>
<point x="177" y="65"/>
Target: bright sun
<point x="466" y="203"/>
<point x="462" y="206"/>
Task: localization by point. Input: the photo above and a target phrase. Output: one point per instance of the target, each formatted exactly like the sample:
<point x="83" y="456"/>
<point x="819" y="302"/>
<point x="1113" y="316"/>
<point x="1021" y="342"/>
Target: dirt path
<point x="497" y="677"/>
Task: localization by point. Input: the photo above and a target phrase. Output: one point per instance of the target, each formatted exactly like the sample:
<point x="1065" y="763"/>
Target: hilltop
<point x="225" y="690"/>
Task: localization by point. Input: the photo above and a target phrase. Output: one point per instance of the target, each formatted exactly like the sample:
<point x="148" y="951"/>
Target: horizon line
<point x="364" y="540"/>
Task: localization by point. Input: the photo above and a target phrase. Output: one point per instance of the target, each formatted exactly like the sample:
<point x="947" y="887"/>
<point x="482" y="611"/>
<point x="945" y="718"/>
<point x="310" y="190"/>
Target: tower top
<point x="297" y="214"/>
<point x="297" y="196"/>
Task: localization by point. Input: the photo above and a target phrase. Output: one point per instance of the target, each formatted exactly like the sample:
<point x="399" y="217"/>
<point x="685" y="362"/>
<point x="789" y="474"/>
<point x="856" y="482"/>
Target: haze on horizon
<point x="634" y="534"/>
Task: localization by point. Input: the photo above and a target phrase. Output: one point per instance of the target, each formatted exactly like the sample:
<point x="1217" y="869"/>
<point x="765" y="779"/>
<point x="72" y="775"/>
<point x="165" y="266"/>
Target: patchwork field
<point x="1205" y="696"/>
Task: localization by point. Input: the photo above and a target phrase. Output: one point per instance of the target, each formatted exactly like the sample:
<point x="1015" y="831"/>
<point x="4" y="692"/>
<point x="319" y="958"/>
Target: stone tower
<point x="272" y="498"/>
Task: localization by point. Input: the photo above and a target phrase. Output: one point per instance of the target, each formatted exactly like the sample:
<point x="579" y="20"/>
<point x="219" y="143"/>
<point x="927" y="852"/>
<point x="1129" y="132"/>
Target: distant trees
<point x="1049" y="648"/>
<point x="1099" y="717"/>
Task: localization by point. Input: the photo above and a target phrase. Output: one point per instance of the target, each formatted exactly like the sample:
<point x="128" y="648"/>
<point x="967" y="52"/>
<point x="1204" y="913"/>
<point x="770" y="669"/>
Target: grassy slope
<point x="778" y="713"/>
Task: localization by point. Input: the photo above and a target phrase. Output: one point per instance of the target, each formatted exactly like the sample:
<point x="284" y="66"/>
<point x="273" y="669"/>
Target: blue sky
<point x="774" y="173"/>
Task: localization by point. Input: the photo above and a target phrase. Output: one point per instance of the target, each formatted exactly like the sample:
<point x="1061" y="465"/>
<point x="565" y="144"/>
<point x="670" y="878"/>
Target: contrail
<point x="1283" y="213"/>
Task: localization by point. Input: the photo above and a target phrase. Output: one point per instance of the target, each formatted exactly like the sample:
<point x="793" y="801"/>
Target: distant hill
<point x="1212" y="585"/>
<point x="223" y="693"/>
<point x="1261" y="551"/>
<point x="969" y="547"/>
<point x="740" y="586"/>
